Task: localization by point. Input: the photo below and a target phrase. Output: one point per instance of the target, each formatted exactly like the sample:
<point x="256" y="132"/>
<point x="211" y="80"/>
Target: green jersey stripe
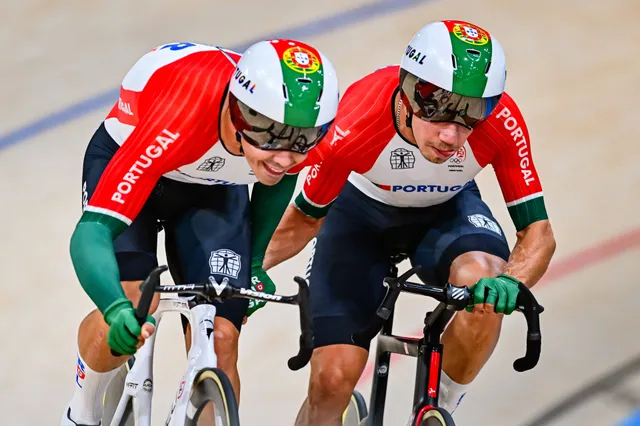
<point x="309" y="208"/>
<point x="107" y="218"/>
<point x="528" y="212"/>
<point x="108" y="212"/>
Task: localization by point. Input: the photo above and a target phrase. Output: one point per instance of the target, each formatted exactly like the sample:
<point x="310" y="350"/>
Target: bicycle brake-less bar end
<point x="147" y="289"/>
<point x="531" y="310"/>
<point x="306" y="327"/>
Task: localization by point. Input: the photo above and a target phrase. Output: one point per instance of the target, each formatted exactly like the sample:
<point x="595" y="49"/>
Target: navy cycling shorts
<point x="352" y="251"/>
<point x="207" y="229"/>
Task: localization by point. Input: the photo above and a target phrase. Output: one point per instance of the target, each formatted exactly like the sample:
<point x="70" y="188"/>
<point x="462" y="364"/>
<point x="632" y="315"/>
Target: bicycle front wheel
<point x="356" y="411"/>
<point x="212" y="397"/>
<point x="434" y="417"/>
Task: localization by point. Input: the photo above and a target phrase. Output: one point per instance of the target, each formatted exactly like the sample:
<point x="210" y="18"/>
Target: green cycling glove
<point x="124" y="329"/>
<point x="501" y="292"/>
<point x="261" y="282"/>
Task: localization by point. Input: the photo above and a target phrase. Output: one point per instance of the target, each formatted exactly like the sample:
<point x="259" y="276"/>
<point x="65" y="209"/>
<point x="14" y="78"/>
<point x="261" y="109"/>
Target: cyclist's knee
<point x="477" y="328"/>
<point x="335" y="371"/>
<point x="469" y="267"/>
<point x="132" y="291"/>
<point x="226" y="341"/>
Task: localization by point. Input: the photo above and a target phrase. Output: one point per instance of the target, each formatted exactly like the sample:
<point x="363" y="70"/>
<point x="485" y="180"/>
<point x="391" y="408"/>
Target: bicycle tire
<point x="356" y="411"/>
<point x="112" y="397"/>
<point x="213" y="385"/>
<point x="435" y="417"/>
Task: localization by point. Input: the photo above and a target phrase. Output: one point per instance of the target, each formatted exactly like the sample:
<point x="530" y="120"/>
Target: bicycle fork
<point x="428" y="351"/>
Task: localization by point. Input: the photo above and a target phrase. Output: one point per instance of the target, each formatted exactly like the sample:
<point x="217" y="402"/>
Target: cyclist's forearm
<point x="532" y="253"/>
<point x="292" y="235"/>
<point x="268" y="203"/>
<point x="95" y="263"/>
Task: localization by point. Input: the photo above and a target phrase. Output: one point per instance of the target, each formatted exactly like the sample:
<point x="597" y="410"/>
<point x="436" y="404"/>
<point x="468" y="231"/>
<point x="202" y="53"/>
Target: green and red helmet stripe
<point x="303" y="76"/>
<point x="472" y="48"/>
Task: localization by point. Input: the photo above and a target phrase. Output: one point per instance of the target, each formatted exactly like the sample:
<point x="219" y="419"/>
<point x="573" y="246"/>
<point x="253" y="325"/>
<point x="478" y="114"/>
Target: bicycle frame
<point x="139" y="380"/>
<point x="427" y="350"/>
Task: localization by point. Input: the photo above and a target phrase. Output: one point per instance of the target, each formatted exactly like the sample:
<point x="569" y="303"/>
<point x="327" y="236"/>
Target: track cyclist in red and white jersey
<point x="194" y="125"/>
<point x="397" y="177"/>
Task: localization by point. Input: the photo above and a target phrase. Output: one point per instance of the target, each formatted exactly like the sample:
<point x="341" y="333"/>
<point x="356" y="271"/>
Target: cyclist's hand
<point x="500" y="292"/>
<point x="261" y="282"/>
<point x="125" y="334"/>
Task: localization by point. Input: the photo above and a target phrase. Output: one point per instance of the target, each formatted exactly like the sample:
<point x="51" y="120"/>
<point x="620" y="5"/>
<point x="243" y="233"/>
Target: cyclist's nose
<point x="450" y="133"/>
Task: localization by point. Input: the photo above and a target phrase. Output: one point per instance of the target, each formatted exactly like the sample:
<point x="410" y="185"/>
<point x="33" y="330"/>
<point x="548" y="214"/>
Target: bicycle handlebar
<point x="456" y="298"/>
<point x="225" y="290"/>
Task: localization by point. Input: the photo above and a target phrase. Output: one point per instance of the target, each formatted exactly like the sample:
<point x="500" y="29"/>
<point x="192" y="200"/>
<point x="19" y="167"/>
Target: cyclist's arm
<point x="268" y="203"/>
<point x="523" y="194"/>
<point x="361" y="130"/>
<point x="302" y="220"/>
<point x="169" y="121"/>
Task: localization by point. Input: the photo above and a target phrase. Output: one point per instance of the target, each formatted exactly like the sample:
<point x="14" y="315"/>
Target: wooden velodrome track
<point x="573" y="69"/>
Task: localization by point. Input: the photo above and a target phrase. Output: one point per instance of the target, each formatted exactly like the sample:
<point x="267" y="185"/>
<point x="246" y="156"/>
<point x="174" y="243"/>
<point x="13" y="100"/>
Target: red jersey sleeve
<point x="503" y="140"/>
<point x="178" y="109"/>
<point x="363" y="126"/>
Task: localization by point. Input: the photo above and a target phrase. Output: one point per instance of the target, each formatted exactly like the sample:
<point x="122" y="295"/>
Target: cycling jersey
<point x="365" y="148"/>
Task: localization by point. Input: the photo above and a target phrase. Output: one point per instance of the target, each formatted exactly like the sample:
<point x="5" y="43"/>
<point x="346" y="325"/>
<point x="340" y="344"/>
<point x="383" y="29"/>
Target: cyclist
<point x="406" y="145"/>
<point x="194" y="125"/>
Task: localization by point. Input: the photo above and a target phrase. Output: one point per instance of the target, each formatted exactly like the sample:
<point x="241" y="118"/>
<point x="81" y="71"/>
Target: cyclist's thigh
<point x="346" y="270"/>
<point x="214" y="241"/>
<point x="135" y="248"/>
<point x="464" y="224"/>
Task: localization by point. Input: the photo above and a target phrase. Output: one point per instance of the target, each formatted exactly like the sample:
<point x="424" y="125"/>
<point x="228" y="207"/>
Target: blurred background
<point x="573" y="72"/>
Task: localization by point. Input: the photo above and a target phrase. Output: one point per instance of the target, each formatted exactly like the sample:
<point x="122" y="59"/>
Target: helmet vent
<point x="303" y="80"/>
<point x="453" y="60"/>
<point x="320" y="95"/>
<point x="488" y="67"/>
<point x="284" y="92"/>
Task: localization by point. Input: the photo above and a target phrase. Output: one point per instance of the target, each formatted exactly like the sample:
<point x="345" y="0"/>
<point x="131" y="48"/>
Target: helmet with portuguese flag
<point x="283" y="95"/>
<point x="453" y="71"/>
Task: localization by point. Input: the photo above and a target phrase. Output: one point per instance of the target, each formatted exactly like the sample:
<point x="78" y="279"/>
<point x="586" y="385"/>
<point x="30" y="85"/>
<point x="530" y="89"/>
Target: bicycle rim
<point x="436" y="417"/>
<point x="356" y="410"/>
<point x="212" y="387"/>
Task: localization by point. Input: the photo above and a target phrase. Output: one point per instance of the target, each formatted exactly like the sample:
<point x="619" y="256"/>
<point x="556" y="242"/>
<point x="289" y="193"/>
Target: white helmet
<point x="284" y="95"/>
<point x="453" y="71"/>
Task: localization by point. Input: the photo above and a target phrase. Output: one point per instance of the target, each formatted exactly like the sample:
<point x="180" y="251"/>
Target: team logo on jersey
<point x="401" y="159"/>
<point x="212" y="164"/>
<point x="481" y="221"/>
<point x="301" y="60"/>
<point x="470" y="33"/>
<point x="225" y="262"/>
<point x="456" y="160"/>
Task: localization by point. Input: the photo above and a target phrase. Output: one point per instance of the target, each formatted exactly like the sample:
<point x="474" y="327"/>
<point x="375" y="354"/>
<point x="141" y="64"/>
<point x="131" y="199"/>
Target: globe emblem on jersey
<point x="225" y="262"/>
<point x="402" y="159"/>
<point x="470" y="34"/>
<point x="212" y="164"/>
<point x="481" y="221"/>
<point x="301" y="60"/>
